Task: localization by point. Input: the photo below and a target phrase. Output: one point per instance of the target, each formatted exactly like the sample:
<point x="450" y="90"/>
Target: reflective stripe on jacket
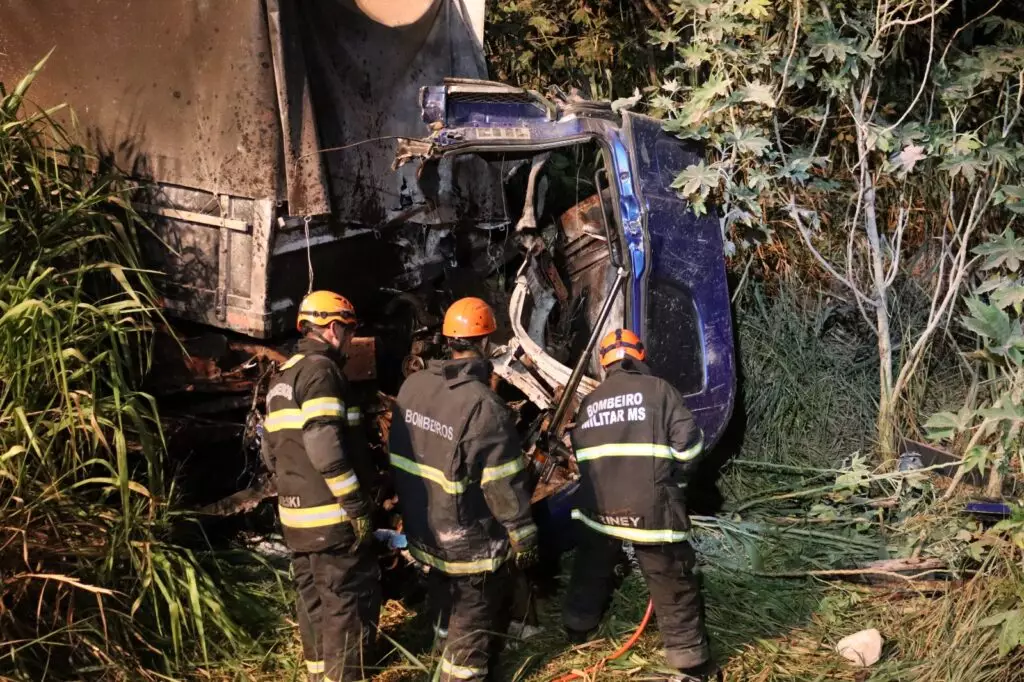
<point x="316" y="447"/>
<point x="635" y="442"/>
<point x="459" y="470"/>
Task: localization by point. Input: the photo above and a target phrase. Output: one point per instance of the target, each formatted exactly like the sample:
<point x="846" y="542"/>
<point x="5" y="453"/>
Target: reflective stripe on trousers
<point x="459" y="672"/>
<point x="457" y="567"/>
<point x="642" y="535"/>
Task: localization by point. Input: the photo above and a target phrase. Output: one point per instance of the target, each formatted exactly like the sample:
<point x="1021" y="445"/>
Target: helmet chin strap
<point x="316" y="333"/>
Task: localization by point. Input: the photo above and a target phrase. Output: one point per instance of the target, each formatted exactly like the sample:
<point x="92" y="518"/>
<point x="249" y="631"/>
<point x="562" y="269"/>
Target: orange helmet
<point x="320" y="308"/>
<point x="618" y="345"/>
<point x="469" y="318"/>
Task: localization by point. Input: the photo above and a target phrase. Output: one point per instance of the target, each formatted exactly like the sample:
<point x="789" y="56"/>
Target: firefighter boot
<point x="577" y="636"/>
<point x="709" y="672"/>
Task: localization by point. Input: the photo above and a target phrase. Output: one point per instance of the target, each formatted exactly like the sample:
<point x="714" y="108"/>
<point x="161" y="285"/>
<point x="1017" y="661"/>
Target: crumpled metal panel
<point x="181" y="91"/>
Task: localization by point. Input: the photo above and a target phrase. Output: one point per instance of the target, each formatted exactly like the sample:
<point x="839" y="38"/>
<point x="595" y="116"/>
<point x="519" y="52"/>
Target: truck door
<point x="683" y="314"/>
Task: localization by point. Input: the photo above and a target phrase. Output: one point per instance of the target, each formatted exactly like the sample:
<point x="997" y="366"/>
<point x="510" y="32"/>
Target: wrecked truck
<point x="300" y="151"/>
<point x="628" y="254"/>
<point x="591" y="237"/>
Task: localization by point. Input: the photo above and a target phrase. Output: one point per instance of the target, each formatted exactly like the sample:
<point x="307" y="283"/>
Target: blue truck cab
<point x="676" y="294"/>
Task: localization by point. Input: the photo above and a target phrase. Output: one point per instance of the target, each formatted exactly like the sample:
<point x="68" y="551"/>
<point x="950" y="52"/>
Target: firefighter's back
<point x="441" y="413"/>
<point x="629" y="475"/>
<point x="312" y="519"/>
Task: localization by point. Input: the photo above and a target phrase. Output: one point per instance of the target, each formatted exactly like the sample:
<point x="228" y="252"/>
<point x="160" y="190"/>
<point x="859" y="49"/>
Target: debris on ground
<point x="862" y="648"/>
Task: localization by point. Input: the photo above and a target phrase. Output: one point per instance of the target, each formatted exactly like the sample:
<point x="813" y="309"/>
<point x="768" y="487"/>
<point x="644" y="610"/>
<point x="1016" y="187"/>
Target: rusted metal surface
<point x="221" y="109"/>
<point x="244" y="500"/>
<point x="212" y="364"/>
<point x="362" y="359"/>
<point x="587" y="262"/>
<point x="178" y="91"/>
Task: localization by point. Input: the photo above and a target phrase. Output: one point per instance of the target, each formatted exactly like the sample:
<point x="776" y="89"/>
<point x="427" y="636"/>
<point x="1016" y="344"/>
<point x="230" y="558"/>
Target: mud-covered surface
<point x="181" y="92"/>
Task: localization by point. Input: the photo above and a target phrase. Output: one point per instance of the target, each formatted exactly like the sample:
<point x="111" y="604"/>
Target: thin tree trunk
<point x="886" y="426"/>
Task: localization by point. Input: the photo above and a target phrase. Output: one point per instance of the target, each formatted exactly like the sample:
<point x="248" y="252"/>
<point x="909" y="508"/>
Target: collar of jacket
<point x="312" y="346"/>
<point x="629" y="366"/>
<point x="458" y="372"/>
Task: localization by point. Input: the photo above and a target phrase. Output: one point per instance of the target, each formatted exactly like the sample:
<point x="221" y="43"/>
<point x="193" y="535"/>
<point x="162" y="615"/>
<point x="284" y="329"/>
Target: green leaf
<point x="965" y="165"/>
<point x="799" y="167"/>
<point x="828" y="45"/>
<point x="996" y="619"/>
<point x="758" y="93"/>
<point x="801" y="73"/>
<point x="713" y="88"/>
<point x="1007" y="296"/>
<point x="988" y="321"/>
<point x="1012" y="196"/>
<point x="697" y="179"/>
<point x="663" y="103"/>
<point x="748" y="140"/>
<point x="946" y="425"/>
<point x="1012" y="635"/>
<point x="999" y="155"/>
<point x="880" y="138"/>
<point x="544" y="25"/>
<point x="695" y="54"/>
<point x="976" y="458"/>
<point x="665" y="39"/>
<point x="1006" y="250"/>
<point x="835" y="84"/>
<point x="756" y="9"/>
<point x="992" y="67"/>
<point x="965" y="143"/>
<point x="1007" y="410"/>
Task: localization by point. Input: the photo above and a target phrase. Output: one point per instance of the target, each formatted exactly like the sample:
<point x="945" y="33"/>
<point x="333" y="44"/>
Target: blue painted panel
<point x="687" y="270"/>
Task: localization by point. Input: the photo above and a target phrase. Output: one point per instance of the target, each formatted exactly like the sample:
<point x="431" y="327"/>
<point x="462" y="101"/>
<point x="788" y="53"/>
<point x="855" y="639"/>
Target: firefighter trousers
<point x="471" y="617"/>
<point x="338" y="608"/>
<point x="668" y="570"/>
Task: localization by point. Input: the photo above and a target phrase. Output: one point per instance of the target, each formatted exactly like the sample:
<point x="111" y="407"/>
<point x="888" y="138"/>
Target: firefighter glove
<point x="526" y="556"/>
<point x="363" y="529"/>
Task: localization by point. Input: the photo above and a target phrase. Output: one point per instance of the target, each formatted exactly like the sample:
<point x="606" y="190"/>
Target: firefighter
<point x="315" y="445"/>
<point x="462" y="488"/>
<point x="636" y="443"/>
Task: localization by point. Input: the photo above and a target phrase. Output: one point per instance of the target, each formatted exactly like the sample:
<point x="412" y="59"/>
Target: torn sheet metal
<point x="549" y="370"/>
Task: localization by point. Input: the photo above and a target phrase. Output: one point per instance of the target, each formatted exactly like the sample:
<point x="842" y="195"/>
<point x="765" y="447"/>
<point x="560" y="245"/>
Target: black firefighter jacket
<point x="314" y="442"/>
<point x="459" y="470"/>
<point x="635" y="443"/>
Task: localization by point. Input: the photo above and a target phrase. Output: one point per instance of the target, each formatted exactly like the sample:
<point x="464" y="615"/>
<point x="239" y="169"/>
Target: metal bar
<point x="223" y="262"/>
<point x="577" y="371"/>
<point x="613" y="253"/>
<point x="193" y="217"/>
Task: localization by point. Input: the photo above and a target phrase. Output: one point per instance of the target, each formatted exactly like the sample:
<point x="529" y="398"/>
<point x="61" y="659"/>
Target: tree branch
<point x="927" y="67"/>
<point x="657" y="13"/>
<point x="805" y="234"/>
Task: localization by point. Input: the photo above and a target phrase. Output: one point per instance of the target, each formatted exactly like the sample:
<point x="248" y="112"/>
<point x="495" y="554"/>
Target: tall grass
<point x="93" y="583"/>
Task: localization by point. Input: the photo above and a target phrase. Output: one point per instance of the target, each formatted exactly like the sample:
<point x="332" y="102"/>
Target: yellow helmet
<point x="320" y="308"/>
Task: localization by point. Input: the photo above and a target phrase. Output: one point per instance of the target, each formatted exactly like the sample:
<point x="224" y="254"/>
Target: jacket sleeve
<point x="684" y="436"/>
<point x="320" y="392"/>
<point x="268" y="455"/>
<point x="499" y="466"/>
